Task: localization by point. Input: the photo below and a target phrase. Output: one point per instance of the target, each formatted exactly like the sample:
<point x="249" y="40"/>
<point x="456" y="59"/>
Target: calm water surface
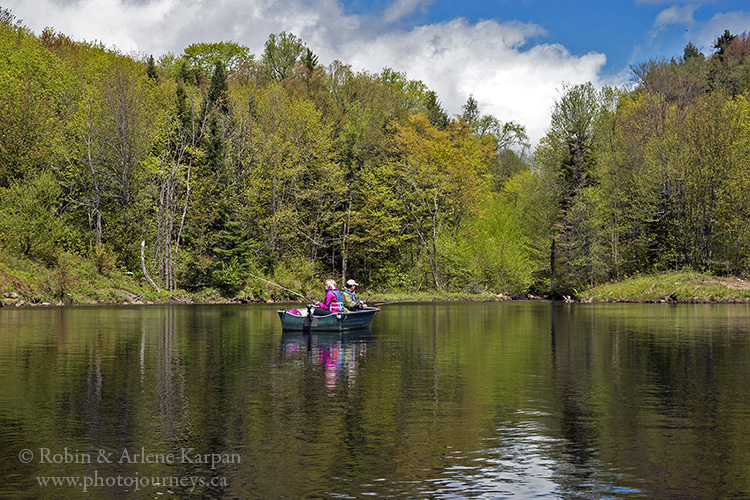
<point x="435" y="400"/>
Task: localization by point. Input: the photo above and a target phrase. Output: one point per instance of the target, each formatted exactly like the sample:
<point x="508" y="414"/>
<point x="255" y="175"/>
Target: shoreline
<point x="665" y="288"/>
<point x="20" y="303"/>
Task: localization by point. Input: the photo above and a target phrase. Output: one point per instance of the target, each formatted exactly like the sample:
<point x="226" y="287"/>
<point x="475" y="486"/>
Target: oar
<point x="282" y="287"/>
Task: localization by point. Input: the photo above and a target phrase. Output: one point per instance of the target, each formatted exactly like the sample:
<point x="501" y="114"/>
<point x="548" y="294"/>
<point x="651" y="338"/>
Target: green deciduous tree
<point x="204" y="56"/>
<point x="30" y="222"/>
<point x="281" y="54"/>
<point x="32" y="80"/>
<point x="439" y="184"/>
<point x="129" y="122"/>
<point x="733" y="237"/>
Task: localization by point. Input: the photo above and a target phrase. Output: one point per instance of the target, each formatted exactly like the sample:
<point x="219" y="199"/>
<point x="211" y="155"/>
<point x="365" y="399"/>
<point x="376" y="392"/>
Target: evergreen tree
<point x="309" y="60"/>
<point x="722" y="44"/>
<point x="151" y="69"/>
<point x="217" y="97"/>
<point x="470" y="110"/>
<point x="573" y="131"/>
<point x="435" y="113"/>
<point x="691" y="53"/>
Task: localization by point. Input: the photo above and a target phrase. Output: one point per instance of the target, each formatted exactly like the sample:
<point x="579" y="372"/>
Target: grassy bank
<point x="75" y="280"/>
<point x="685" y="287"/>
<point x="72" y="281"/>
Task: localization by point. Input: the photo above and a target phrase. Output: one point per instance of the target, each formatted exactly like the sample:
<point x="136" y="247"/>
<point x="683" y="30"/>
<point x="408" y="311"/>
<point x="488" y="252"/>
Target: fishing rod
<point x="396" y="302"/>
<point x="282" y="287"/>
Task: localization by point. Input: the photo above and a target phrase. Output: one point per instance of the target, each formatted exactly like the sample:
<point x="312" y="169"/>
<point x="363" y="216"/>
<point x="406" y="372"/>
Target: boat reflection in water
<point x="337" y="354"/>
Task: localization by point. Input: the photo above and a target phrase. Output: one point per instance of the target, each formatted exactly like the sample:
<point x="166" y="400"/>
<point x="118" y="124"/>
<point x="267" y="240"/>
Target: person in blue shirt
<point x="351" y="303"/>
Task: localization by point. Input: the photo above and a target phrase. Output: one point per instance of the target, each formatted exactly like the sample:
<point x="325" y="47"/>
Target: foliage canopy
<point x="228" y="166"/>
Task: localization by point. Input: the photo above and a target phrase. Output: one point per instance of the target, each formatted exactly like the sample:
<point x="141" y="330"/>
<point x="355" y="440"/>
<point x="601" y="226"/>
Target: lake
<point x="435" y="400"/>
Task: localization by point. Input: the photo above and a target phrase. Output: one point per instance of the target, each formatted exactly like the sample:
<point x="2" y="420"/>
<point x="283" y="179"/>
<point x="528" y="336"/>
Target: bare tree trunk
<point x="344" y="255"/>
<point x="174" y="199"/>
<point x="552" y="258"/>
<point x="88" y="136"/>
<point x="143" y="267"/>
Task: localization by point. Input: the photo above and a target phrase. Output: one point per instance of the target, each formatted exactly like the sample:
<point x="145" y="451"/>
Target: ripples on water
<point x="498" y="400"/>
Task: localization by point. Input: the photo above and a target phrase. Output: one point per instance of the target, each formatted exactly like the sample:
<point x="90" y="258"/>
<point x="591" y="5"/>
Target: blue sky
<point x="513" y="56"/>
<point x="627" y="32"/>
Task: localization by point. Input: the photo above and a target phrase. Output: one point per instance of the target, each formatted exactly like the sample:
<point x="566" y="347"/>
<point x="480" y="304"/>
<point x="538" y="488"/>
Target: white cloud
<point x="402" y="8"/>
<point x="486" y="59"/>
<point x="675" y="15"/>
<point x="659" y="2"/>
<point x="702" y="34"/>
<point x="510" y="76"/>
<point x="705" y="34"/>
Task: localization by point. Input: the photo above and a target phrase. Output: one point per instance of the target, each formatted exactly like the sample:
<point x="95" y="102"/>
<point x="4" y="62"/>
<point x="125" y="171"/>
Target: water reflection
<point x="486" y="400"/>
<point x="578" y="422"/>
<point x="337" y="354"/>
<point x="174" y="409"/>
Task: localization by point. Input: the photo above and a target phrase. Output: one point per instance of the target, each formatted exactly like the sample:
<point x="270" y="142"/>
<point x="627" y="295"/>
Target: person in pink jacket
<point x="332" y="302"/>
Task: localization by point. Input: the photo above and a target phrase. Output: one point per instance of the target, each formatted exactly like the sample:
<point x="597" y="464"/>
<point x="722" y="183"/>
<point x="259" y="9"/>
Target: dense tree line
<point x="656" y="177"/>
<point x="228" y="165"/>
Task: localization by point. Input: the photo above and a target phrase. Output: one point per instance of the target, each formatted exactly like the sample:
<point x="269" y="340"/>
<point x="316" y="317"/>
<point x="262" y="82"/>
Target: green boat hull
<point x="335" y="322"/>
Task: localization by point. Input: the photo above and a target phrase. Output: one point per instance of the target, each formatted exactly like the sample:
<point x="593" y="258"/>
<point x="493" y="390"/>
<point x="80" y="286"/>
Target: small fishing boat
<point x="305" y="320"/>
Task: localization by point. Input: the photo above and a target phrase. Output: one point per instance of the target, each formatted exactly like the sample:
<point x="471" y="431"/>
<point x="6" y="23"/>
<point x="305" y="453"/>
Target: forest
<point x="208" y="169"/>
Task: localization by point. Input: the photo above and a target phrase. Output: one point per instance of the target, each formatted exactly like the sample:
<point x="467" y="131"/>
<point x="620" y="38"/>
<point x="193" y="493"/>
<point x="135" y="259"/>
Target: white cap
<point x="352" y="283"/>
